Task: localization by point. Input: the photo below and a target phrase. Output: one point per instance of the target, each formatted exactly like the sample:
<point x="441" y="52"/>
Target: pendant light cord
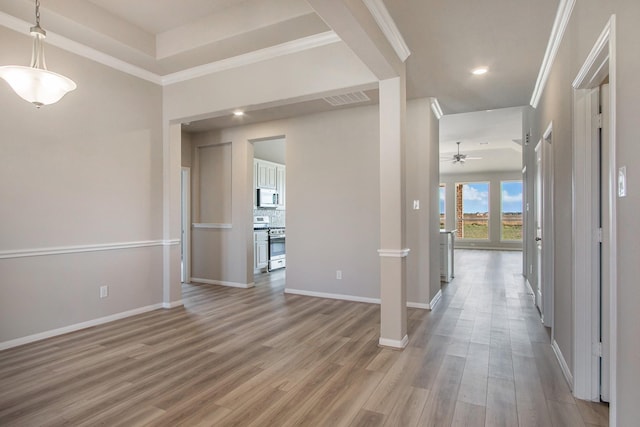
<point x="37" y="13"/>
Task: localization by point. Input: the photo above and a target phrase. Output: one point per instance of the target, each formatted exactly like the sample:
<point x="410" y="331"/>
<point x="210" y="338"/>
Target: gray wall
<point x="85" y="171"/>
<point x="421" y="176"/>
<point x="332" y="204"/>
<point x="588" y="20"/>
<point x="494" y="179"/>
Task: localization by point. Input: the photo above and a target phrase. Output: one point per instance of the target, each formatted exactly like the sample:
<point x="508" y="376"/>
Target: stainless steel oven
<point x="277" y="249"/>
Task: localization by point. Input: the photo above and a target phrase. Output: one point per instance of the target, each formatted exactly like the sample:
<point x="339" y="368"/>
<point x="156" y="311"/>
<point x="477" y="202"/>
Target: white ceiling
<point x="446" y="38"/>
<point x="487" y="134"/>
<point x="157" y="16"/>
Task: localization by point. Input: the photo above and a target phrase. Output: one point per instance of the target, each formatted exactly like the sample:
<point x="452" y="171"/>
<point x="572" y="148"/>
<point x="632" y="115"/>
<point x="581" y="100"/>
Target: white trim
<point x="185" y="221"/>
<point x="54" y="39"/>
<point x="548" y="228"/>
<point x="80" y="49"/>
<point x="342" y="297"/>
<point x="386" y="342"/>
<point x="461" y="245"/>
<point x="596" y="62"/>
<point x="529" y="288"/>
<point x="223" y="283"/>
<point x="287" y="48"/>
<point x="436" y="299"/>
<point x="420" y="305"/>
<point x="351" y="298"/>
<point x="76" y="327"/>
<point x="388" y="28"/>
<point x="563" y="364"/>
<point x="61" y="250"/>
<point x="394" y="253"/>
<point x="172" y="304"/>
<point x="600" y="62"/>
<point x="613" y="228"/>
<point x="210" y="225"/>
<point x="435" y="107"/>
<point x="557" y="32"/>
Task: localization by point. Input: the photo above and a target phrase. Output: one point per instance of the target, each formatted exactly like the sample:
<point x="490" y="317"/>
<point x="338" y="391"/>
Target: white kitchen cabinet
<point x="260" y="250"/>
<point x="266" y="175"/>
<point x="281" y="185"/>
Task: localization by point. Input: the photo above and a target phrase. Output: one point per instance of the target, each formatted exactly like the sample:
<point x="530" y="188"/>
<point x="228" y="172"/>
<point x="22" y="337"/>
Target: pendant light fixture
<point x="35" y="83"/>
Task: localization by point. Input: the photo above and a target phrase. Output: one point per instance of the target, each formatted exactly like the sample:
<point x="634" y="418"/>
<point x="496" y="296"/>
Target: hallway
<point x="259" y="357"/>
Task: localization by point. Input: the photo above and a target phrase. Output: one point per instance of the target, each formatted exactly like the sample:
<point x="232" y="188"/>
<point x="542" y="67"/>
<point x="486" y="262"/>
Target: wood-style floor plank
<point x="257" y="357"/>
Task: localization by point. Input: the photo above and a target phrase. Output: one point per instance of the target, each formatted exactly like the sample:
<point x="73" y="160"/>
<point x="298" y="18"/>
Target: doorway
<point x="594" y="164"/>
<point x="543" y="223"/>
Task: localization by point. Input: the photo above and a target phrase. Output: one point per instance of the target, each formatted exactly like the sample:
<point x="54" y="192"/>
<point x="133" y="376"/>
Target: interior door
<point x="538" y="227"/>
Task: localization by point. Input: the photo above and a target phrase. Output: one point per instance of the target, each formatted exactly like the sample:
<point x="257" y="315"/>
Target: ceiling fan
<point x="459" y="158"/>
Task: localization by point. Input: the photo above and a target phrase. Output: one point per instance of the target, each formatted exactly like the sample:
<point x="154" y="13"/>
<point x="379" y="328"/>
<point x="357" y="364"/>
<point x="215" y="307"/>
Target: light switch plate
<point x="622" y="181"/>
<point x="416" y="205"/>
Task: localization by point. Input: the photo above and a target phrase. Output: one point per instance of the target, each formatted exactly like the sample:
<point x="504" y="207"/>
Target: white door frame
<point x="538" y="224"/>
<point x="185" y="228"/>
<point x="548" y="231"/>
<point x="600" y="63"/>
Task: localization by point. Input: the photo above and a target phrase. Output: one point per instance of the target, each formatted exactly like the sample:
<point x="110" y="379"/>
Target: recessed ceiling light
<point x="479" y="71"/>
<point x="238" y="113"/>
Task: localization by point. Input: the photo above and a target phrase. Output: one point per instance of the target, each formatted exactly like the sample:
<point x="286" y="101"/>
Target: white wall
<point x="85" y="171"/>
<point x="494" y="179"/>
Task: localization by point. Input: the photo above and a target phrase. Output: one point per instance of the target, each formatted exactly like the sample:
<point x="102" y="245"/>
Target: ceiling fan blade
<point x="473" y="158"/>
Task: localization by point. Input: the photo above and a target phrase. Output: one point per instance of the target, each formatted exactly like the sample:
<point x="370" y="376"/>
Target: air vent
<point x="348" y="98"/>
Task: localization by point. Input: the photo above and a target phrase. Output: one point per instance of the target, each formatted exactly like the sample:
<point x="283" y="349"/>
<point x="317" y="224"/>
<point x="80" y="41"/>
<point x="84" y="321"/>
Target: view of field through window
<point x="511" y="215"/>
<point x="472" y="210"/>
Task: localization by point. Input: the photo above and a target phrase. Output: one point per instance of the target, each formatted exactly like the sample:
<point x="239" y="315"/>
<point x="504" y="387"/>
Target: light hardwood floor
<point x="257" y="357"/>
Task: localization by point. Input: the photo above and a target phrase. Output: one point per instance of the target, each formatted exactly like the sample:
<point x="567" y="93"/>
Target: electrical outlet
<point x="339" y="274"/>
<point x="104" y="291"/>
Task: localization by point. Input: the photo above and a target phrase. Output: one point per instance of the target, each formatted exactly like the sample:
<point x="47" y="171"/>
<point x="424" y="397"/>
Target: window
<point x="511" y="210"/>
<point x="443" y="197"/>
<point x="472" y="210"/>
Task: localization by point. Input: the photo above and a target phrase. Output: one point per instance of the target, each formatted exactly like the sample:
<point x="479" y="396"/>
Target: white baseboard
<point x="223" y="283"/>
<point x="563" y="364"/>
<point x="526" y="281"/>
<point x="72" y="328"/>
<point x="332" y="296"/>
<point x="435" y="300"/>
<point x="172" y="304"/>
<point x="421" y="305"/>
<point x="344" y="297"/>
<point x="385" y="342"/>
<point x="487" y="248"/>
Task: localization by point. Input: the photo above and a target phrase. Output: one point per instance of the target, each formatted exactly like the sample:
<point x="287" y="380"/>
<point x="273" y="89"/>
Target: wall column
<point x="171" y="227"/>
<point x="393" y="312"/>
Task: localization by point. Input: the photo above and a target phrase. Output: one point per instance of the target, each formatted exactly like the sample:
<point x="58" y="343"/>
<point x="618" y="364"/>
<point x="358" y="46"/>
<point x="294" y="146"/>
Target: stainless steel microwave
<point x="267" y="198"/>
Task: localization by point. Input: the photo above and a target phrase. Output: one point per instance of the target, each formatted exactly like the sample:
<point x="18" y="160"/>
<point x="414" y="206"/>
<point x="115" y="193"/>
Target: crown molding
<point x="557" y="32"/>
<point x="57" y="40"/>
<point x="388" y="27"/>
<point x="294" y="46"/>
<point x="80" y="49"/>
